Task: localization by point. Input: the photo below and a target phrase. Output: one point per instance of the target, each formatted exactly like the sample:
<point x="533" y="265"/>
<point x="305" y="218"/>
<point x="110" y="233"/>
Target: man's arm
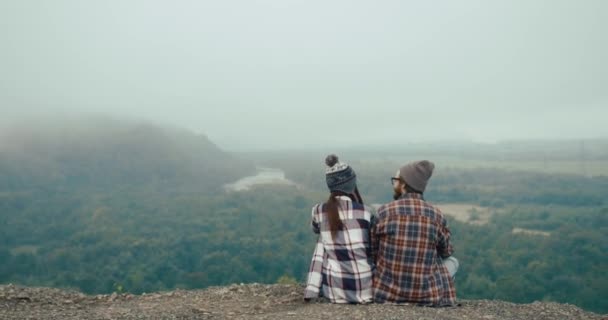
<point x="444" y="246"/>
<point x="376" y="229"/>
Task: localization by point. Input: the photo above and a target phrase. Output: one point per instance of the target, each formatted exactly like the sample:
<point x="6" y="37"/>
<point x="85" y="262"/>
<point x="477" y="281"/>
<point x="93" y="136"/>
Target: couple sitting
<point x="401" y="254"/>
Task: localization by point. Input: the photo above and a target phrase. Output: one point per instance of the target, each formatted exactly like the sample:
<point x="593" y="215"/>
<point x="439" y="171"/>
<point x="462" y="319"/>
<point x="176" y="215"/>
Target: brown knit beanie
<point x="417" y="174"/>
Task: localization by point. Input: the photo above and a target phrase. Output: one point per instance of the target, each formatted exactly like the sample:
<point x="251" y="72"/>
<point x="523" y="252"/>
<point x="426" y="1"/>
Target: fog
<point x="295" y="74"/>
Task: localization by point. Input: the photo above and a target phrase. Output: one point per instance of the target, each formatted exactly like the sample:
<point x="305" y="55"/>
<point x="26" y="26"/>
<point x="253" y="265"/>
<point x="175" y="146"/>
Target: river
<point x="264" y="176"/>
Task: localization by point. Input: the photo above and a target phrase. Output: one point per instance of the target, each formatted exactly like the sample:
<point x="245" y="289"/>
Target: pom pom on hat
<point x="331" y="160"/>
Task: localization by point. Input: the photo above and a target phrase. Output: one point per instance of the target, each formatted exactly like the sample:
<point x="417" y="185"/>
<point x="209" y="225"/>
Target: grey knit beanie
<point x="339" y="175"/>
<point x="417" y="174"/>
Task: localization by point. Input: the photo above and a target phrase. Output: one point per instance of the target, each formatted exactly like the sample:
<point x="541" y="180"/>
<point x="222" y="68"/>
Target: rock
<point x="200" y="310"/>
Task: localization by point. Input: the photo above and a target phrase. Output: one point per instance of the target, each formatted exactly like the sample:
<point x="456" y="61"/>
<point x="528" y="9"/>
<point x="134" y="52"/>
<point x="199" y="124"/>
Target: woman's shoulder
<point x="371" y="209"/>
<point x="362" y="207"/>
<point x="363" y="211"/>
<point x="317" y="208"/>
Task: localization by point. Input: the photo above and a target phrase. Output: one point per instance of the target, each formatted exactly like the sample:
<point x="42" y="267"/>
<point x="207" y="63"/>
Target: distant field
<point x="531" y="232"/>
<point x="27" y="249"/>
<point x="476" y="215"/>
<point x="468" y="213"/>
<point x="588" y="168"/>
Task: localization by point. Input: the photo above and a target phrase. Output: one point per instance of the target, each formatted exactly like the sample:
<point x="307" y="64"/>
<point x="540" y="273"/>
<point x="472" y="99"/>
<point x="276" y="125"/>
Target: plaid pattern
<point x="341" y="268"/>
<point x="408" y="241"/>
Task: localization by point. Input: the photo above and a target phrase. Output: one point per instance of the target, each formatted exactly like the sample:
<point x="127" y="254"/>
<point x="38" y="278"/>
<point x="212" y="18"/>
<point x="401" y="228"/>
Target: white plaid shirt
<point x="341" y="268"/>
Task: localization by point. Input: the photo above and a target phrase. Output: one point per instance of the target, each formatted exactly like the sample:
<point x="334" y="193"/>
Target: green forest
<point x="140" y="209"/>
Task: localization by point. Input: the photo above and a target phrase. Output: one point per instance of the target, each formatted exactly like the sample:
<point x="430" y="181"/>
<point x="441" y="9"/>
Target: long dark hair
<point x="332" y="206"/>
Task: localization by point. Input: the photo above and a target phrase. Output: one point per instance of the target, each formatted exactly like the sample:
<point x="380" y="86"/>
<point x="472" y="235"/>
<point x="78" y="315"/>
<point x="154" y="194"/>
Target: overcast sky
<point x="284" y="74"/>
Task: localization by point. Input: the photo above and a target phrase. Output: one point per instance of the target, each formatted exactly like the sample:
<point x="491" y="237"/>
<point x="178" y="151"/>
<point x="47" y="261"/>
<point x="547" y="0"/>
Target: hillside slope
<point x="252" y="301"/>
<point x="100" y="155"/>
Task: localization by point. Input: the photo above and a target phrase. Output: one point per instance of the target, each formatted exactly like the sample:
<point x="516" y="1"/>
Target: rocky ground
<point x="252" y="301"/>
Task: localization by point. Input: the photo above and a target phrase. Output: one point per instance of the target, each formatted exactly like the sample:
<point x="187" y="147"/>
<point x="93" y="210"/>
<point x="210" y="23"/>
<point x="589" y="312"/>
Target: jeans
<point x="452" y="265"/>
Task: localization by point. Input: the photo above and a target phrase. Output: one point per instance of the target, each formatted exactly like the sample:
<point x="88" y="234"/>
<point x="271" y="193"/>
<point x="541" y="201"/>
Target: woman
<point x="341" y="267"/>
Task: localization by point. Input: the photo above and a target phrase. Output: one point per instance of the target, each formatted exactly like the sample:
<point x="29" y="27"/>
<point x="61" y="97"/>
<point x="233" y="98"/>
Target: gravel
<point x="252" y="301"/>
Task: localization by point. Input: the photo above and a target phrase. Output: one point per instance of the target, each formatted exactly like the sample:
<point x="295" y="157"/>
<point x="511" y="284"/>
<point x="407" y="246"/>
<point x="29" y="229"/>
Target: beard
<point x="397" y="193"/>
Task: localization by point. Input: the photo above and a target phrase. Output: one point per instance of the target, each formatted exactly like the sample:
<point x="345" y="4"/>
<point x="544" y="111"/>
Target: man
<point x="411" y="244"/>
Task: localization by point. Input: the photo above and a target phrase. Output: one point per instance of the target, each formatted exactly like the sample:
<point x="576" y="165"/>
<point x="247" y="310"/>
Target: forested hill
<point x="107" y="154"/>
<point x="107" y="205"/>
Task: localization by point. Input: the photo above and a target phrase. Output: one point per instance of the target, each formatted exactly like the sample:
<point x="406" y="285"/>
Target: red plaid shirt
<point x="408" y="241"/>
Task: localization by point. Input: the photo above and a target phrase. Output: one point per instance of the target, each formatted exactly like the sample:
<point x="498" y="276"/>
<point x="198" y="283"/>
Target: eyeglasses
<point x="393" y="180"/>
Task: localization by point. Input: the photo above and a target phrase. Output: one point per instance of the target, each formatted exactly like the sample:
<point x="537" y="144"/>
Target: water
<point x="263" y="177"/>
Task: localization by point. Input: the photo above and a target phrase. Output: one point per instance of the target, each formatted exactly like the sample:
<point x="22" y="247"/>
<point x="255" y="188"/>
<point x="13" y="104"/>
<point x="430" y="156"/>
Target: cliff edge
<point x="251" y="301"/>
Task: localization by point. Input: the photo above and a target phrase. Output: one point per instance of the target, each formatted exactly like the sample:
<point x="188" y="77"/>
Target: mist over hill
<point x="102" y="153"/>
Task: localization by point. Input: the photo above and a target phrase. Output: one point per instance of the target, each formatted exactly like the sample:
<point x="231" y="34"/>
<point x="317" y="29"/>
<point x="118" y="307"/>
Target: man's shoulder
<point x="436" y="212"/>
<point x="384" y="209"/>
<point x="433" y="207"/>
<point x="419" y="203"/>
